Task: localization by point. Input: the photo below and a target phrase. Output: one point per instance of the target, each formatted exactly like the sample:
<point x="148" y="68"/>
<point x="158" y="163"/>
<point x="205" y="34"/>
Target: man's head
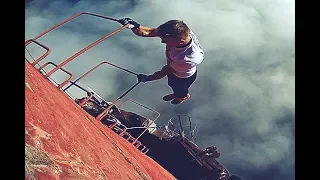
<point x="174" y="33"/>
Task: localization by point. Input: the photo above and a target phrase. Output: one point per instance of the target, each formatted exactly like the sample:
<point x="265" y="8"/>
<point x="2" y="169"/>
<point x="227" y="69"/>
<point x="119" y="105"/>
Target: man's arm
<point x="166" y="70"/>
<point x="138" y="29"/>
<point x="145" y="31"/>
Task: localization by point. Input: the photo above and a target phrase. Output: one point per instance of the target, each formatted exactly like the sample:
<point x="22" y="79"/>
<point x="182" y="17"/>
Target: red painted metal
<point x="105" y="112"/>
<point x="82" y="50"/>
<point x="138" y="144"/>
<point x="86" y="49"/>
<point x="142" y="148"/>
<point x="63" y="83"/>
<point x="113" y="125"/>
<point x="71" y="18"/>
<point x="135" y="142"/>
<point x="86" y="100"/>
<point x="158" y="115"/>
<point x="145" y="152"/>
<point x="95" y="67"/>
<point x="66" y="81"/>
<point x="41" y="45"/>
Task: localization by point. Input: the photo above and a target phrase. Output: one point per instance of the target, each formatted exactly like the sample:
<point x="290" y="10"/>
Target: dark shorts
<point x="180" y="86"/>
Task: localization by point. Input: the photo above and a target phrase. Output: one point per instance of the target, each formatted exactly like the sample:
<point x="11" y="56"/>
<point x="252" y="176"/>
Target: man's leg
<point x="181" y="91"/>
<point x="172" y="82"/>
<point x="183" y="85"/>
<point x="182" y="88"/>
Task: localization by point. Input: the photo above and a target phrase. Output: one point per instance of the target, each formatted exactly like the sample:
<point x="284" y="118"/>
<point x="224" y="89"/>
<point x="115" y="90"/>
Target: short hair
<point x="176" y="28"/>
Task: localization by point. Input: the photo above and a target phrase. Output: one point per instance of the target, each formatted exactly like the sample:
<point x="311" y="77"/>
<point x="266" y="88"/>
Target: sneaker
<point x="180" y="100"/>
<point x="168" y="97"/>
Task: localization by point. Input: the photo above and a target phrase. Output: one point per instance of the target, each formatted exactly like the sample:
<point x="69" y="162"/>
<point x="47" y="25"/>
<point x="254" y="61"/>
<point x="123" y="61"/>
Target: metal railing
<point x="67" y="72"/>
<point x="148" y="126"/>
<point x="121" y="129"/>
<point x="69" y="80"/>
<point x="48" y="51"/>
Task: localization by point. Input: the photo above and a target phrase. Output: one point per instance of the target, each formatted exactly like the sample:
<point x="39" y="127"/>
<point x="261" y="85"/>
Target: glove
<point x="133" y="24"/>
<point x="144" y="78"/>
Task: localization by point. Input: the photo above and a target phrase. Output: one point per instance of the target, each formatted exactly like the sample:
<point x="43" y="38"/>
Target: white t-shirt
<point x="184" y="60"/>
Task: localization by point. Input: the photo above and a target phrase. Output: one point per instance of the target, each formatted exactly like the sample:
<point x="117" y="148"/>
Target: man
<point x="183" y="53"/>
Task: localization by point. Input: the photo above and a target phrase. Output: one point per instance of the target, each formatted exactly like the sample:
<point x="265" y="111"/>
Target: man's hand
<point x="144" y="78"/>
<point x="133" y="24"/>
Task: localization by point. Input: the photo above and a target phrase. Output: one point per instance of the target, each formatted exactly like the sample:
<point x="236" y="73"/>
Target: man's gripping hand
<point x="133" y="24"/>
<point x="144" y="78"/>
